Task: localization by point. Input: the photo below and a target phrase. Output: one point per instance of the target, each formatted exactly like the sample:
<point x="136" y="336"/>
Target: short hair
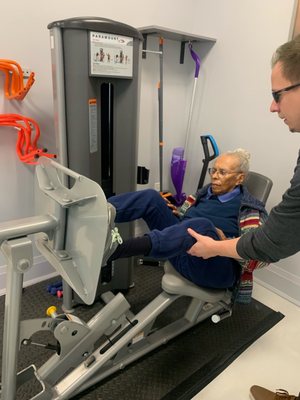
<point x="243" y="156"/>
<point x="288" y="54"/>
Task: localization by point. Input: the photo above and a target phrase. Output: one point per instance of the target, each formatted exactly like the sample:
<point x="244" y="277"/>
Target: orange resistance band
<point x="28" y="135"/>
<point x="14" y="80"/>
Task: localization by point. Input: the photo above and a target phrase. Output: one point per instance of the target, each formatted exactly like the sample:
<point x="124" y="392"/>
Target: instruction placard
<point x="111" y="55"/>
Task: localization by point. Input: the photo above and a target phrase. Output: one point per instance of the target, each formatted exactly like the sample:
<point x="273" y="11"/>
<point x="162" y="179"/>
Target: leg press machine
<point x="71" y="233"/>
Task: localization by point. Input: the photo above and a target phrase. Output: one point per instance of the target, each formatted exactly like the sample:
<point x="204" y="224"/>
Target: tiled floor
<point x="273" y="361"/>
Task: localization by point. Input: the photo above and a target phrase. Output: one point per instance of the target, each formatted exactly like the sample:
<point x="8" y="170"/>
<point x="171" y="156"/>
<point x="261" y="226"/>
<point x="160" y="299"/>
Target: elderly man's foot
<point x="113" y="238"/>
<point x="260" y="393"/>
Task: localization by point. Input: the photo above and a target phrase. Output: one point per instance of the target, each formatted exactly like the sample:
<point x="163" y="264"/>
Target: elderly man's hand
<point x="221" y="234"/>
<point x="204" y="247"/>
<point x="172" y="207"/>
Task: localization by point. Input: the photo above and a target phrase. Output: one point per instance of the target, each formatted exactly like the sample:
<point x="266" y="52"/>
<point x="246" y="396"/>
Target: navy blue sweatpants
<point x="171" y="241"/>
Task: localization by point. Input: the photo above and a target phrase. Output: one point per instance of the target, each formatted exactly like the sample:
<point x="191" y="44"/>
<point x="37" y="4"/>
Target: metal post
<point x="160" y="114"/>
<point x="61" y="135"/>
<point x="18" y="253"/>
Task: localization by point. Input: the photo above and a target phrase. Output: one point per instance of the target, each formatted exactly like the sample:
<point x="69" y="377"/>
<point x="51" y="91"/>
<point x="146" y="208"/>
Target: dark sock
<point x="139" y="246"/>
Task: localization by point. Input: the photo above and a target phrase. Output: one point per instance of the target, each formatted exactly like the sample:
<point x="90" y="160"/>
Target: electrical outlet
<point x="26" y="72"/>
<point x="157" y="186"/>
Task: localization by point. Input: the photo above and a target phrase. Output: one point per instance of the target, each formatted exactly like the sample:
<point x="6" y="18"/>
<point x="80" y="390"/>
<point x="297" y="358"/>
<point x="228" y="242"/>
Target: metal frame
<point x="130" y="336"/>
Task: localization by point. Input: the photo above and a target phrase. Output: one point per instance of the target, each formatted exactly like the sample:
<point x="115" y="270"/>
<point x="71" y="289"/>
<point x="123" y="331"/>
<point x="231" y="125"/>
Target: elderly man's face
<point x="288" y="105"/>
<point x="225" y="174"/>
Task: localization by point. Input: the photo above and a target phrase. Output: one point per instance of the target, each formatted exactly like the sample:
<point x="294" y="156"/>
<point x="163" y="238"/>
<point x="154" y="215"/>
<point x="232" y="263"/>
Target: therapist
<point x="279" y="237"/>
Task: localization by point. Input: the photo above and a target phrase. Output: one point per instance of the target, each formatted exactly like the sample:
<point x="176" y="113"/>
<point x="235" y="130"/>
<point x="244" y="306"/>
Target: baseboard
<point x="40" y="271"/>
<point x="279" y="281"/>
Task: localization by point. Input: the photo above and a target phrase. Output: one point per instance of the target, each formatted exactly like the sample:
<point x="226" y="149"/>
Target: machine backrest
<point x="258" y="185"/>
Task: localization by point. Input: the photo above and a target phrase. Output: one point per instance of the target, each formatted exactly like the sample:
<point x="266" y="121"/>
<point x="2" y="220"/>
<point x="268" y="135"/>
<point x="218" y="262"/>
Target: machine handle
<point x="207" y="156"/>
<point x="55" y="186"/>
<point x="219" y="317"/>
<point x="44" y="161"/>
<point x="204" y="140"/>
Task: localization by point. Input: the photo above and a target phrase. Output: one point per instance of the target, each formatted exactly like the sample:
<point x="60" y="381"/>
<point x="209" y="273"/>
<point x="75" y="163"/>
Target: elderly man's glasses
<point x="276" y="95"/>
<point x="221" y="172"/>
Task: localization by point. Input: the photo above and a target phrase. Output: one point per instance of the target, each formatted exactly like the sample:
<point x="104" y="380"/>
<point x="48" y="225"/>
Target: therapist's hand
<point x="207" y="247"/>
<point x="204" y="247"/>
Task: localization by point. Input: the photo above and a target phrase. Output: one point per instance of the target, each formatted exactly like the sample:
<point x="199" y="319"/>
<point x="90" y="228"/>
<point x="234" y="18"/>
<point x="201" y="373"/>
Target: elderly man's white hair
<point x="243" y="156"/>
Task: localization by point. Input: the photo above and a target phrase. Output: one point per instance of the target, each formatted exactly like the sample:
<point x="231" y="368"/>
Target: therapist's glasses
<point x="276" y="95"/>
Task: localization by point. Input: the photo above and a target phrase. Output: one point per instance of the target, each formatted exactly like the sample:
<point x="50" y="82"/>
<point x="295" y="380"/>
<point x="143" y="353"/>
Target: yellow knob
<point x="51" y="312"/>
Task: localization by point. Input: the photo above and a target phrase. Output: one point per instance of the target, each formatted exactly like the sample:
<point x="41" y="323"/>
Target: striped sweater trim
<point x="248" y="221"/>
<point x="252" y="220"/>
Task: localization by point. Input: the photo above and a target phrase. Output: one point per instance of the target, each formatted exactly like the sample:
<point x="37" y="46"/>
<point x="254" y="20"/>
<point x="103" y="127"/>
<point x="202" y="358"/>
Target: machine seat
<point x="174" y="283"/>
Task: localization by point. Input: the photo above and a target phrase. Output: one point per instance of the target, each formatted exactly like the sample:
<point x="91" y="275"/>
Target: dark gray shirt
<point x="279" y="237"/>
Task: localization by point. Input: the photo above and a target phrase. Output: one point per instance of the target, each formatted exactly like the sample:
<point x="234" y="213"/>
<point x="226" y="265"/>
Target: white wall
<point x="232" y="101"/>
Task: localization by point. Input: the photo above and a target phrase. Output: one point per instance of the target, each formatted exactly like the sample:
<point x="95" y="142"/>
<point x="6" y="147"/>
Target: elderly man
<point x="220" y="209"/>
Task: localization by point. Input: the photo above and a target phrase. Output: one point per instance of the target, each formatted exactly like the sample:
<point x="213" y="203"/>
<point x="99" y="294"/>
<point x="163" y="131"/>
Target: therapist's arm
<point x="207" y="247"/>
